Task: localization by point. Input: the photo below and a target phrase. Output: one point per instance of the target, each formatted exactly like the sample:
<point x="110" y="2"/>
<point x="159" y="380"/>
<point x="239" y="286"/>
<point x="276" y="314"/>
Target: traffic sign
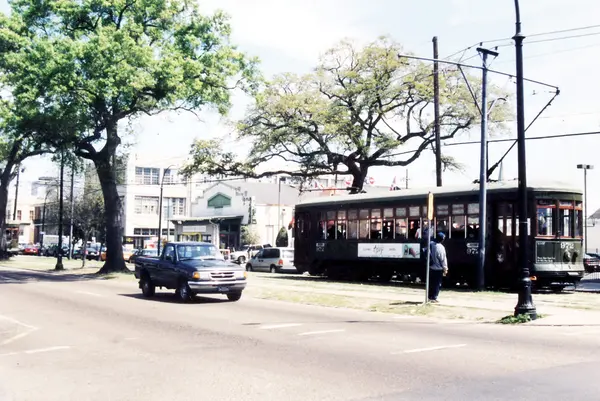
<point x="430" y="206"/>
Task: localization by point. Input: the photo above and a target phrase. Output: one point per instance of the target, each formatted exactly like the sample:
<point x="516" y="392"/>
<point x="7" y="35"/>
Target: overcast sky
<point x="289" y="36"/>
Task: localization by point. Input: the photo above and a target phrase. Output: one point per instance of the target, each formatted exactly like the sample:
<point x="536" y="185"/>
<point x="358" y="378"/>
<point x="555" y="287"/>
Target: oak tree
<point x="360" y="108"/>
<point x="118" y="59"/>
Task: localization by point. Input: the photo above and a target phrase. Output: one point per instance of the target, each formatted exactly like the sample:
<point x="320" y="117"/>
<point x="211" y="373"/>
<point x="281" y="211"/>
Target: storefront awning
<point x="210" y="219"/>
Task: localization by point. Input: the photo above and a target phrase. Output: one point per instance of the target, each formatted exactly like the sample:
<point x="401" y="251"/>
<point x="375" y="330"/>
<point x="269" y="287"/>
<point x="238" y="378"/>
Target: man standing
<point x="438" y="267"/>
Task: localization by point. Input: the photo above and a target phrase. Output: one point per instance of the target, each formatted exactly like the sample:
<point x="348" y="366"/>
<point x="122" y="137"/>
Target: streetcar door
<point x="502" y="255"/>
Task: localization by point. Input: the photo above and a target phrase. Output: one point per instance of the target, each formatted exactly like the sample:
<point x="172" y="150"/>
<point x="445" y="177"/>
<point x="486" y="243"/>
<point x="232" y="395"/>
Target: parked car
<point x="275" y="260"/>
<point x="591" y="263"/>
<point x="30" y="250"/>
<point x="190" y="268"/>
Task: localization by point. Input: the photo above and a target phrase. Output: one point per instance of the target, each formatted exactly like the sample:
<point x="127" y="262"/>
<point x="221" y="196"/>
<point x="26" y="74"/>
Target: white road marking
<point x="93" y="294"/>
<point x="310" y="333"/>
<point x="280" y="326"/>
<point x="410" y="351"/>
<point x="37" y="351"/>
<point x="49" y="349"/>
<point x="30" y="329"/>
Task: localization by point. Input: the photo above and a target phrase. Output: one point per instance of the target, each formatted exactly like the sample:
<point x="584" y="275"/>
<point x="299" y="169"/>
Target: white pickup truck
<point x="246" y="253"/>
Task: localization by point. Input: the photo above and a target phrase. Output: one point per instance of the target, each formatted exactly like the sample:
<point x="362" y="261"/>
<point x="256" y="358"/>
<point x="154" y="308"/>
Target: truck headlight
<point x="201" y="275"/>
<point x="241" y="274"/>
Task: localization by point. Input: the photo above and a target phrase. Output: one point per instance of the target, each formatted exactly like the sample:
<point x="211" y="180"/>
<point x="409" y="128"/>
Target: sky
<point x="289" y="36"/>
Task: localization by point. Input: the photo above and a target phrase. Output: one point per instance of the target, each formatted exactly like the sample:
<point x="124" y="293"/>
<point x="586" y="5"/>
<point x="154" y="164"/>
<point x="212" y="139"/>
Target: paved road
<point x="66" y="339"/>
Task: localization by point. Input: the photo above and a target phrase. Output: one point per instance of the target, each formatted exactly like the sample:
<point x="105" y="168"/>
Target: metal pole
<point x="585" y="234"/>
<point x="159" y="218"/>
<point x="436" y="110"/>
<point x="483" y="171"/>
<point x="168" y="216"/>
<point x="525" y="303"/>
<point x="72" y="211"/>
<point x="59" y="264"/>
<point x="427" y="263"/>
<point x="278" y="208"/>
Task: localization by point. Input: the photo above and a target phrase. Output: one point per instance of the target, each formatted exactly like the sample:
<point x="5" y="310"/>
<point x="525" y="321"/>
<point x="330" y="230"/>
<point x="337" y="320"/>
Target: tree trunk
<point x="5" y="179"/>
<point x="358" y="180"/>
<point x="112" y="209"/>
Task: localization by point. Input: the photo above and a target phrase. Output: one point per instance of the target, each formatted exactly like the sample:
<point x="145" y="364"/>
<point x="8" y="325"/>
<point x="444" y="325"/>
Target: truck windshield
<point x="187" y="252"/>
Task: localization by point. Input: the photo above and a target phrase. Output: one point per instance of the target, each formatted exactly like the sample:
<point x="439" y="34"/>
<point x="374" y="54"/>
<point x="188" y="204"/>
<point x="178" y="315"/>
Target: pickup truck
<point x="190" y="268"/>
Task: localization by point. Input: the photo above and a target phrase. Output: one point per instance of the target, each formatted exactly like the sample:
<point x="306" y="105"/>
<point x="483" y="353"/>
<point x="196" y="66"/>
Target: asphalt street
<point x="63" y="338"/>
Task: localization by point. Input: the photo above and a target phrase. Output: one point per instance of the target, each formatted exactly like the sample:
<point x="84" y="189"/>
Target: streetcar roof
<point x="551" y="186"/>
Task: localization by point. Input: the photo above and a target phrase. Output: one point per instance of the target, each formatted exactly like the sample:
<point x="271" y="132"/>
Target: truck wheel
<point x="234" y="296"/>
<point x="183" y="292"/>
<point x="147" y="286"/>
<point x="249" y="267"/>
<point x="242" y="260"/>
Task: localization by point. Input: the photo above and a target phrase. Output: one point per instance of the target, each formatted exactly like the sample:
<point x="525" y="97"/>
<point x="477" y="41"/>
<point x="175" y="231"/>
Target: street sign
<point x="430" y="206"/>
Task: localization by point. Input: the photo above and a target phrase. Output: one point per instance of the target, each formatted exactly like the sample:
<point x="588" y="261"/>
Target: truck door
<point x="168" y="268"/>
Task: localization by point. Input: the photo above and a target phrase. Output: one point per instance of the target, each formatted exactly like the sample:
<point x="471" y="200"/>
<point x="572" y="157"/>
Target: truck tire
<point x="242" y="260"/>
<point x="248" y="267"/>
<point x="183" y="292"/>
<point x="148" y="288"/>
<point x="234" y="296"/>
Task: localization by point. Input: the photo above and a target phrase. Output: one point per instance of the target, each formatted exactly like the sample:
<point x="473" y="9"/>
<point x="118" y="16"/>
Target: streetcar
<point x="379" y="236"/>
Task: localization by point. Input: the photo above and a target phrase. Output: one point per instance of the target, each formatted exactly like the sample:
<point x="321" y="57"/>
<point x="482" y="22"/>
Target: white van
<point x="274" y="260"/>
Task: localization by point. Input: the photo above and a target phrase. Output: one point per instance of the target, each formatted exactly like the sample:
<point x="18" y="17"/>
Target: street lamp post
<point x="525" y="303"/>
<point x="162" y="181"/>
<point x="585" y="168"/>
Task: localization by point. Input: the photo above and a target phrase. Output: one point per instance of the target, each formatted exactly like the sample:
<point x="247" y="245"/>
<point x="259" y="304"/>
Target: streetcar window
<point x="331" y="215"/>
<point x="321" y="234"/>
<point x="458" y="226"/>
<point x="363" y="224"/>
<point x="457" y="210"/>
<point x="341" y="225"/>
<point x="331" y="229"/>
<point x="424" y="212"/>
<point x="442" y="210"/>
<point x="388" y="229"/>
<point x="414" y="211"/>
<point x="376" y="224"/>
<point x="472" y="227"/>
<point x="545" y="218"/>
<point x="414" y="228"/>
<point x="565" y="222"/>
<point x="401" y="229"/>
<point x="352" y="224"/>
<point x="441" y="225"/>
<point x="473" y="208"/>
<point x="400" y="212"/>
<point x="578" y="217"/>
<point x="388" y="224"/>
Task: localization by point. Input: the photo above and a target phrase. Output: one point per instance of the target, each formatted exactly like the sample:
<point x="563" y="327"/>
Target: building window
<point x="31" y="215"/>
<point x="146" y="175"/>
<point x="18" y="215"/>
<point x="170" y="176"/>
<point x="219" y="201"/>
<point x="146" y="204"/>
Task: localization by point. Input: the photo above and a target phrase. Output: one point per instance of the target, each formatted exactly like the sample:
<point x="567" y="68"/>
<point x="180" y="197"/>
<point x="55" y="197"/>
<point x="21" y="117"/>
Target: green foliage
<point x="282" y="238"/>
<point x="249" y="235"/>
<point x="96" y="63"/>
<point x="357" y="110"/>
<point x="511" y="319"/>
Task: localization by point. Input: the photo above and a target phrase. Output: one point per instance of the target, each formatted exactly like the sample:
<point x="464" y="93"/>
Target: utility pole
<point x="162" y="181"/>
<point x="72" y="211"/>
<point x="483" y="170"/>
<point x="59" y="264"/>
<point x="525" y="303"/>
<point x="19" y="170"/>
<point x="436" y="110"/>
<point x="585" y="168"/>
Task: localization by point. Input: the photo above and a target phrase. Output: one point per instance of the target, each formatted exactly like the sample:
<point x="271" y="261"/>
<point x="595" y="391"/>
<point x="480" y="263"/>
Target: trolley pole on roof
<point x="525" y="304"/>
<point x="483" y="170"/>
